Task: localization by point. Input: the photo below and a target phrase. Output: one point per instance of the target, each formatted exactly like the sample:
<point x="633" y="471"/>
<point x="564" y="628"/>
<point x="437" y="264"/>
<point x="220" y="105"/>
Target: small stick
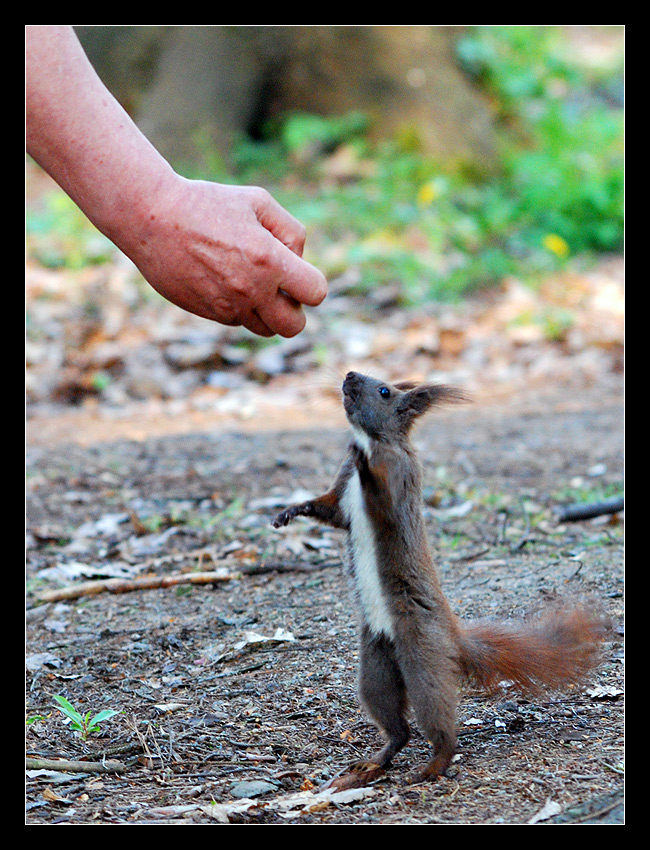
<point x="588" y="510"/>
<point x="109" y="766"/>
<point x="121" y="585"/>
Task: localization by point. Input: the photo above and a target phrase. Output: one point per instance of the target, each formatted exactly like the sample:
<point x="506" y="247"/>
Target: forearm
<point x="84" y="139"/>
<point x="227" y="253"/>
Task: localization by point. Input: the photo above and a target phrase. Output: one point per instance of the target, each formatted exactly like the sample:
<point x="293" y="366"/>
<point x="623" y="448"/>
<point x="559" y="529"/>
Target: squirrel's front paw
<point x="281" y="519"/>
<point x="285" y="517"/>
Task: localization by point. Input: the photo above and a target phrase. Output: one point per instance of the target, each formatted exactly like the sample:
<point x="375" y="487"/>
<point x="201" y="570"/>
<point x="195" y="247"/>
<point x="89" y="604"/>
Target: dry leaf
<point x="548" y="810"/>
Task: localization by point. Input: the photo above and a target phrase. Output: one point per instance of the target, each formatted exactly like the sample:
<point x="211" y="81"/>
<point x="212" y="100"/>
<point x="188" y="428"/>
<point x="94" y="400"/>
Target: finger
<point x="283" y="315"/>
<point x="254" y="323"/>
<point x="280" y="222"/>
<point x="300" y="280"/>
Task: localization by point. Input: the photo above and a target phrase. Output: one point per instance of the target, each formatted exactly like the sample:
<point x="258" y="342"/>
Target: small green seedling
<point x="84" y="725"/>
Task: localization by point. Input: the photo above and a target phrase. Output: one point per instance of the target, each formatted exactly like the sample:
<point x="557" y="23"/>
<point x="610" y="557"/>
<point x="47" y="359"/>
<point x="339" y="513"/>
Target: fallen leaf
<point x="605" y="692"/>
<point x="52" y="797"/>
<point x="548" y="810"/>
<point x="288" y="806"/>
<point x="249" y="638"/>
<point x="168" y="707"/>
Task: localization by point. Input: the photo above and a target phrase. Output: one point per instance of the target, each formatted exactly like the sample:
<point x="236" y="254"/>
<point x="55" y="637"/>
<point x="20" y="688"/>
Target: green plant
<point x="563" y="158"/>
<point x="83" y="724"/>
<point x="60" y="236"/>
<point x="300" y="131"/>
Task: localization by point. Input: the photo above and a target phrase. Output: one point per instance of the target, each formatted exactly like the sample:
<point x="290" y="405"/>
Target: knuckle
<point x="259" y="196"/>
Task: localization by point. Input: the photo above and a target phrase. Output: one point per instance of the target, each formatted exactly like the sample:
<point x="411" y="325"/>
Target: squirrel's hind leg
<point x="431" y="686"/>
<point x="383" y="694"/>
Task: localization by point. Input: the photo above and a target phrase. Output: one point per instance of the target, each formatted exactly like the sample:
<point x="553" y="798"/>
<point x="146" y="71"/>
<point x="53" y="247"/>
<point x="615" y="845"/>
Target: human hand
<point x="227" y="253"/>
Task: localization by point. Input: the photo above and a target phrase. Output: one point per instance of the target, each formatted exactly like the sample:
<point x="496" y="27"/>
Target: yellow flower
<point x="556" y="244"/>
<point x="427" y="193"/>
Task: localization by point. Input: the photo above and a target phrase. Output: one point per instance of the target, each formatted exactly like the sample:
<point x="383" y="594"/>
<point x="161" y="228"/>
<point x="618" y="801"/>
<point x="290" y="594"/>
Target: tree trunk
<point x="183" y="83"/>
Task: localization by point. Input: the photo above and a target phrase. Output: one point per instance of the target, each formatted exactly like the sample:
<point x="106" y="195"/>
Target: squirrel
<point x="413" y="648"/>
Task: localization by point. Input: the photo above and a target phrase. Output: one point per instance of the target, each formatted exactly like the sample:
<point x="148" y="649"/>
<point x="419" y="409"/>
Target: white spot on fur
<point x="364" y="559"/>
<point x="361" y="439"/>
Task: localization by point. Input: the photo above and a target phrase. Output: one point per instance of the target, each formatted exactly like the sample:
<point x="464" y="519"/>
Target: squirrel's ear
<point x="418" y="400"/>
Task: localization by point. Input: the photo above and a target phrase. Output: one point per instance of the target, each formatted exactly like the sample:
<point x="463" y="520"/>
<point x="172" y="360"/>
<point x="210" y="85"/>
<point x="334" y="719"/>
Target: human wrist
<point x="129" y="210"/>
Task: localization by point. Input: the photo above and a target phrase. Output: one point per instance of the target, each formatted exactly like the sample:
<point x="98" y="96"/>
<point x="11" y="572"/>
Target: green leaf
<point x="69" y="711"/>
<point x="101" y="716"/>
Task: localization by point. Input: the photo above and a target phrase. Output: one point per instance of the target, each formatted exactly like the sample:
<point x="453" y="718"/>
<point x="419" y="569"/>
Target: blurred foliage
<point x="58" y="235"/>
<point x="438" y="230"/>
<point x="566" y="168"/>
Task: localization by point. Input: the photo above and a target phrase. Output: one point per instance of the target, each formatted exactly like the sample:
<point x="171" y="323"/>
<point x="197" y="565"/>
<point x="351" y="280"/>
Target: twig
<point x="125" y="585"/>
<point x="615" y="800"/>
<point x="289" y="566"/>
<point x="121" y="585"/>
<point x="578" y="511"/>
<point x="108" y="766"/>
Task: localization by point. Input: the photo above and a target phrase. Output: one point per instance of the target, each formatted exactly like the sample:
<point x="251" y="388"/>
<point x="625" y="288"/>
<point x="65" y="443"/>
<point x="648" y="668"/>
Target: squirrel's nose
<point x="351" y="381"/>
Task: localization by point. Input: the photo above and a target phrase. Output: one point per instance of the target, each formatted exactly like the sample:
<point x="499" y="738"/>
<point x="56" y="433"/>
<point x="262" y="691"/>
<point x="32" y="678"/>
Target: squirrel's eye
<point x="384" y="392"/>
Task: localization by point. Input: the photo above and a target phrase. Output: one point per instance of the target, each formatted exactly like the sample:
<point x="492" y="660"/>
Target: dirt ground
<point x="236" y="699"/>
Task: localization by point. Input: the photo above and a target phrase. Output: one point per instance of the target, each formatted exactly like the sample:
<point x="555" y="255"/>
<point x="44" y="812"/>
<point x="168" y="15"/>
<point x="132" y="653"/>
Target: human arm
<point x="227" y="253"/>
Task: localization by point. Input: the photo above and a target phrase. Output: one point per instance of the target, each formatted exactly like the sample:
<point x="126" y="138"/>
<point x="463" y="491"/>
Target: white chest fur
<point x="364" y="560"/>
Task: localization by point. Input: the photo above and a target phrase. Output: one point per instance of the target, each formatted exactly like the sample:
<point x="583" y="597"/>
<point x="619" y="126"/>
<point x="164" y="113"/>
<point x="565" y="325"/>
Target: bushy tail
<point x="555" y="650"/>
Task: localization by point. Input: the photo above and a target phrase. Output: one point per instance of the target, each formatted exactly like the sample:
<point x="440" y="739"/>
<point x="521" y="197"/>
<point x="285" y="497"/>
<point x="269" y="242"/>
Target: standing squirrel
<point x="413" y="648"/>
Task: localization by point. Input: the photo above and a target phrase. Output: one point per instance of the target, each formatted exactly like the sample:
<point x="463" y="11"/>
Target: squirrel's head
<point x="386" y="411"/>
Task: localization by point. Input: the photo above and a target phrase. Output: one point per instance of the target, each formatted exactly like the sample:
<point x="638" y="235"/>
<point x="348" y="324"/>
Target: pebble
<point x="250" y="788"/>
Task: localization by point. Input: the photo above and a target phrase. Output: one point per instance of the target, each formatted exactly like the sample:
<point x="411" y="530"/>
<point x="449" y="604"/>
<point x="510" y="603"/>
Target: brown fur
<point x="429" y="648"/>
